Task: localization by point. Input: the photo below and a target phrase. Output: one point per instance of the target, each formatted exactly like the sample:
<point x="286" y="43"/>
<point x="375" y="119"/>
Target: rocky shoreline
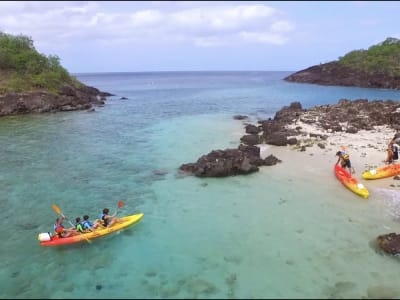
<point x="302" y="129"/>
<point x="69" y="98"/>
<point x="285" y="129"/>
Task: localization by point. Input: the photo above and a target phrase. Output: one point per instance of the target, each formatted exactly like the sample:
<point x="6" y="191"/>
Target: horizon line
<point x="171" y="71"/>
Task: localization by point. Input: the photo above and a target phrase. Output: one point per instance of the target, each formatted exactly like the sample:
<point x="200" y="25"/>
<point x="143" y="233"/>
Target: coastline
<point x="367" y="149"/>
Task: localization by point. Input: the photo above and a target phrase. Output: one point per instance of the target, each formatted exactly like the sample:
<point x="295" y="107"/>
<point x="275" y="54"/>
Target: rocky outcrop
<point x="390" y="243"/>
<point x="347" y="115"/>
<point x="68" y="98"/>
<point x="228" y="162"/>
<point x="334" y="73"/>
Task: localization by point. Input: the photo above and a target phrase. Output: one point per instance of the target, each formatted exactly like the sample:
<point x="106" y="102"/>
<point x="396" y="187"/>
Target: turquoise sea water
<point x="266" y="235"/>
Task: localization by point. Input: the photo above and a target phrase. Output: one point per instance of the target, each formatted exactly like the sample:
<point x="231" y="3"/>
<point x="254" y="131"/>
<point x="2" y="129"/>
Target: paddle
<point x="120" y="204"/>
<point x="58" y="211"/>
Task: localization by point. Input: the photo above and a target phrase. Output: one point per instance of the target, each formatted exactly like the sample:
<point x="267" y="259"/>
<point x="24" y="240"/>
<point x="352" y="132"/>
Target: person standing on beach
<point x="396" y="137"/>
<point x="392" y="152"/>
<point x="395" y="148"/>
<point x="344" y="159"/>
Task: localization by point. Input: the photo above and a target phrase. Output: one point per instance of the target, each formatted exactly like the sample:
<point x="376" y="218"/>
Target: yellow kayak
<point x="46" y="239"/>
<point x="382" y="172"/>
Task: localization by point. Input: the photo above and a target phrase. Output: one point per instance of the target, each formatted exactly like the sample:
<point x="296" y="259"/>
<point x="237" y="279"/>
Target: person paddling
<point x="61" y="231"/>
<point x="109" y="220"/>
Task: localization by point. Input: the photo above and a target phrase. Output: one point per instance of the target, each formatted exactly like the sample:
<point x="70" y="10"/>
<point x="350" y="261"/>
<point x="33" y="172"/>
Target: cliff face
<point x="334" y="73"/>
<point x="69" y="98"/>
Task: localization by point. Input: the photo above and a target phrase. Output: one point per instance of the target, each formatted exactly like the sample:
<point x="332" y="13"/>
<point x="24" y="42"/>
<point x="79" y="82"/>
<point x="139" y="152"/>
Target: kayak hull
<point x="126" y="222"/>
<point x="350" y="182"/>
<point x="382" y="172"/>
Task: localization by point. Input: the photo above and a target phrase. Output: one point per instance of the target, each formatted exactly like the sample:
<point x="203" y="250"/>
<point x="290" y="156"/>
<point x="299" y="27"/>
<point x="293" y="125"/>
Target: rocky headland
<point x="31" y="82"/>
<point x="334" y="73"/>
<point x="376" y="67"/>
<point x="69" y="98"/>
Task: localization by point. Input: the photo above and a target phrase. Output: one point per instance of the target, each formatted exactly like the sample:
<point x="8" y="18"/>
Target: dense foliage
<point x="383" y="58"/>
<point x="22" y="68"/>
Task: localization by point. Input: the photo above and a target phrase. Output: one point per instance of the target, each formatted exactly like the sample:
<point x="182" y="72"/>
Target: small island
<point x="31" y="82"/>
<point x="377" y="67"/>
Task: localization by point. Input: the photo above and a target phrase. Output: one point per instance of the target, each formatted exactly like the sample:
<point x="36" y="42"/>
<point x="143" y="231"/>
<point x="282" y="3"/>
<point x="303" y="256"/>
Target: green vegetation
<point x="383" y="58"/>
<point x="23" y="69"/>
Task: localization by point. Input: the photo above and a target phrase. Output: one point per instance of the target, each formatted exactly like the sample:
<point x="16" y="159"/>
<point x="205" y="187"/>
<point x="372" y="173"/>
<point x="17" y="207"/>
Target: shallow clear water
<point x="276" y="233"/>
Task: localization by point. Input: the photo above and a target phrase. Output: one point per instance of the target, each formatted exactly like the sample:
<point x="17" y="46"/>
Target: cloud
<point x="203" y="26"/>
<point x="263" y="37"/>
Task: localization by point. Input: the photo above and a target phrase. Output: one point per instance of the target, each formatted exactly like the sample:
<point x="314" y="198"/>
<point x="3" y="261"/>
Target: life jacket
<point x="58" y="229"/>
<point x="104" y="220"/>
<point x="86" y="224"/>
<point x="79" y="227"/>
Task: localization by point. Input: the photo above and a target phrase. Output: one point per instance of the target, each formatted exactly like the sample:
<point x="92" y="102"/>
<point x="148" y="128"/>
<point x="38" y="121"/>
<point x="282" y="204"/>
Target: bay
<point x="272" y="234"/>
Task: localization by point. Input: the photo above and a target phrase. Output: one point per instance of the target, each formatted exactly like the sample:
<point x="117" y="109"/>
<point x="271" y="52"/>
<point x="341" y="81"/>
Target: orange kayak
<point x="350" y="182"/>
<point x="47" y="240"/>
<point x="382" y="172"/>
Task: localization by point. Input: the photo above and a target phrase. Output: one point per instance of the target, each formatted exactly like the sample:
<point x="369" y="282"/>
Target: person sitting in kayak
<point x="344" y="159"/>
<point x="61" y="231"/>
<point x="109" y="220"/>
<point x="89" y="226"/>
<point x="78" y="225"/>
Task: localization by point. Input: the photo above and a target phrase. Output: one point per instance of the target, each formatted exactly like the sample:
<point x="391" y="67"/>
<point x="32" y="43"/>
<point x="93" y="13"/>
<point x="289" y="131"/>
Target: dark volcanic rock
<point x="347" y="115"/>
<point x="389" y="243"/>
<point x="69" y="98"/>
<point x="228" y="162"/>
<point x="334" y="73"/>
<point x="252" y="129"/>
<point x="250" y="139"/>
<point x="240" y="117"/>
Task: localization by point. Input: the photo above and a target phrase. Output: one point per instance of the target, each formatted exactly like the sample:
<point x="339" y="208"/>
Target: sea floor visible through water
<point x="282" y="232"/>
<point x="288" y="231"/>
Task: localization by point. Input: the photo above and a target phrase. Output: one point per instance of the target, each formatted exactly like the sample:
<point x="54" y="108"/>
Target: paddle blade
<point x="120" y="203"/>
<point x="56" y="209"/>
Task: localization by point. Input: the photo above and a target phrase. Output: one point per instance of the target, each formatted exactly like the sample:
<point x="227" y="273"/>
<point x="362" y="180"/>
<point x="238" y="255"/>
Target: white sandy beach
<point x="367" y="149"/>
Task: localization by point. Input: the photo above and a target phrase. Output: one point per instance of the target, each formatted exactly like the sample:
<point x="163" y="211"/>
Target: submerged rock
<point x="390" y="243"/>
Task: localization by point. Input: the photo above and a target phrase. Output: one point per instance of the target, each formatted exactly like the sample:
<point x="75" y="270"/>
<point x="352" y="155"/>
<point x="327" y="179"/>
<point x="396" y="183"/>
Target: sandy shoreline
<point x="367" y="149"/>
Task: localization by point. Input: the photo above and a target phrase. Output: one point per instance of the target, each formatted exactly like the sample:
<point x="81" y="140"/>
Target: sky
<point x="148" y="36"/>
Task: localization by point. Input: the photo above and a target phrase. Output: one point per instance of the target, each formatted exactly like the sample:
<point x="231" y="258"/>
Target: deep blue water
<point x="234" y="237"/>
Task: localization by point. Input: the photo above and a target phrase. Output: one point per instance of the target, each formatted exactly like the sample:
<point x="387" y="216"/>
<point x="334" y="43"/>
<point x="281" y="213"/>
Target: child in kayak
<point x="109" y="220"/>
<point x="89" y="226"/>
<point x="78" y="225"/>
